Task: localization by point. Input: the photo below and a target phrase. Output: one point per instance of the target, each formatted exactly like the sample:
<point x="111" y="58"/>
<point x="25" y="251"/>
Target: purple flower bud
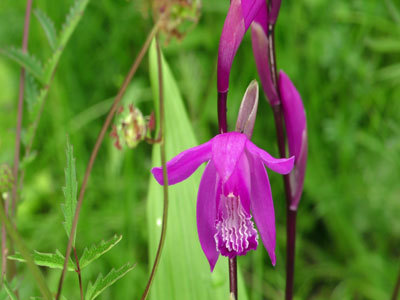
<point x="261" y="55"/>
<point x="274" y="11"/>
<point x="240" y="15"/>
<point x="296" y="129"/>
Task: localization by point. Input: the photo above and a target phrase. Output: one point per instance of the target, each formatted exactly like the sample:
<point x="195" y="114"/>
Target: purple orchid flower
<point x="234" y="185"/>
<point x="296" y="129"/>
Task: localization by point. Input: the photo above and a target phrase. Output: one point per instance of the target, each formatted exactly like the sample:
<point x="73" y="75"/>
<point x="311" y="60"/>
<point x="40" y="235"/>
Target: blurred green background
<point x="343" y="56"/>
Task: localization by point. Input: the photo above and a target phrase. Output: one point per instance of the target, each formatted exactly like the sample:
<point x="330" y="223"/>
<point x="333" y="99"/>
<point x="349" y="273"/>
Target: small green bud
<point x="6" y="178"/>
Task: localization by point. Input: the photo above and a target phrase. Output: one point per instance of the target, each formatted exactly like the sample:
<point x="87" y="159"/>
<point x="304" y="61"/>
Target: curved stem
<point x="96" y="148"/>
<point x="165" y="177"/>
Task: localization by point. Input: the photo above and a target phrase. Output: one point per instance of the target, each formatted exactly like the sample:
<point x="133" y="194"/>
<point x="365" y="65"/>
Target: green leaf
<point x="94" y="290"/>
<point x="72" y="20"/>
<point x="27" y="61"/>
<point x="70" y="191"/>
<point x="51" y="260"/>
<point x="74" y="16"/>
<point x="9" y="290"/>
<point x="384" y="45"/>
<point x="48" y="27"/>
<point x="183" y="272"/>
<point x="95" y="251"/>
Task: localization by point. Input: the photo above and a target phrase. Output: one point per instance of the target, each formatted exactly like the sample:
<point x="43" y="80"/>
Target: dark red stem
<point x="233" y="278"/>
<point x="20" y="106"/>
<point x="78" y="271"/>
<point x="222" y="123"/>
<point x="280" y="134"/>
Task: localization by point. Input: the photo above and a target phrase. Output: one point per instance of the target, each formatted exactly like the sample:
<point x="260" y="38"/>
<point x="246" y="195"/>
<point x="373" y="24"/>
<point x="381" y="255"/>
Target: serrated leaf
<point x="72" y="20"/>
<point x="31" y="92"/>
<point x="70" y="191"/>
<point x="9" y="290"/>
<point x="48" y="27"/>
<point x="50" y="260"/>
<point x="101" y="283"/>
<point x="26" y="60"/>
<point x="95" y="251"/>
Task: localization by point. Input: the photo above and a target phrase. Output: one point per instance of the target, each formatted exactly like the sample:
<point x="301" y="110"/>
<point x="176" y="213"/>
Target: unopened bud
<point x="178" y="16"/>
<point x="130" y="129"/>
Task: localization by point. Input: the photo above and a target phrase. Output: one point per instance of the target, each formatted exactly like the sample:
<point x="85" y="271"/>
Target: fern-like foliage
<point x="101" y="283"/>
<point x="95" y="251"/>
<point x="48" y="27"/>
<point x="27" y="61"/>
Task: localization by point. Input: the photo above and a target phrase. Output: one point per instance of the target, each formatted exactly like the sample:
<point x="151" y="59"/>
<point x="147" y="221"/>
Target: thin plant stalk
<point x="20" y="107"/>
<point x="233" y="278"/>
<point x="280" y="134"/>
<point x="396" y="288"/>
<point x="25" y="252"/>
<point x="78" y="271"/>
<point x="96" y="148"/>
<point x="165" y="177"/>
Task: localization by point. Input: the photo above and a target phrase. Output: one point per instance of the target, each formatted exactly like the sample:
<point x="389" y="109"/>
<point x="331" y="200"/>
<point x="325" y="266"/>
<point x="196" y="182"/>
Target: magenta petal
<point x="294" y="114"/>
<point x="259" y="41"/>
<point x="250" y="9"/>
<point x="279" y="165"/>
<point x="206" y="213"/>
<point x="262" y="206"/>
<point x="184" y="164"/>
<point x="262" y="17"/>
<point x="239" y="183"/>
<point x="298" y="174"/>
<point x="226" y="151"/>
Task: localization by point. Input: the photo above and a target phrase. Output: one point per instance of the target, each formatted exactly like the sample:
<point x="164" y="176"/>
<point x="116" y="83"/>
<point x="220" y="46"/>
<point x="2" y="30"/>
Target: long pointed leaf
<point x="70" y="191"/>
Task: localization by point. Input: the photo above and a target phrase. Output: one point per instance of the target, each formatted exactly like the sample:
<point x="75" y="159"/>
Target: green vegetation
<point x="343" y="57"/>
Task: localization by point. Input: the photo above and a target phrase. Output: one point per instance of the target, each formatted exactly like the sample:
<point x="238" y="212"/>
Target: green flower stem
<point x="18" y="242"/>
